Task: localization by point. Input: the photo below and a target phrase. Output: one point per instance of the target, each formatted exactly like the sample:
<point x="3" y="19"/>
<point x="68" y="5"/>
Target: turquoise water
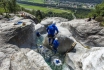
<point x="49" y="55"/>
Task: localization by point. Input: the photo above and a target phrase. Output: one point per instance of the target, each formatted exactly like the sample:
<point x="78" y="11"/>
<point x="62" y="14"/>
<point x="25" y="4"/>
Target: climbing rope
<point x="72" y="47"/>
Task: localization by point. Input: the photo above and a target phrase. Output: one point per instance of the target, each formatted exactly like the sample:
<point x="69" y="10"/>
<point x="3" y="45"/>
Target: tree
<point x="4" y="4"/>
<point x="39" y="15"/>
<point x="12" y="6"/>
<point x="99" y="10"/>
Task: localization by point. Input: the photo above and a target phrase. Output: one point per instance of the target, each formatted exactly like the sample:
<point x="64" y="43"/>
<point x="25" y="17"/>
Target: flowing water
<point x="49" y="56"/>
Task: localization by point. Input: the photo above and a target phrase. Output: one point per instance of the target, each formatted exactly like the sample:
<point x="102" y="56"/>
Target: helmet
<point x="54" y="22"/>
<point x="40" y="46"/>
<point x="56" y="38"/>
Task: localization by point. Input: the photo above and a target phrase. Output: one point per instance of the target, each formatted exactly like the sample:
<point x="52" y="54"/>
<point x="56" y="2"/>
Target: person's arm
<point x="57" y="30"/>
<point x="47" y="29"/>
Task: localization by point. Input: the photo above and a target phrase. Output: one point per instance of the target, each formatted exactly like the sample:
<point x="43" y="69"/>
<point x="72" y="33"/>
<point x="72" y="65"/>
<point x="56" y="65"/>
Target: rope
<point x="72" y="47"/>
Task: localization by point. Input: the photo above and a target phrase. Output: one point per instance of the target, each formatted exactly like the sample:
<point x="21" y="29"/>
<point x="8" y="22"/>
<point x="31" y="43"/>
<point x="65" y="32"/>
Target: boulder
<point x="96" y="40"/>
<point x="72" y="58"/>
<point x="101" y="32"/>
<point x="5" y="64"/>
<point x="2" y="56"/>
<point x="36" y="59"/>
<point x="15" y="43"/>
<point x="50" y="20"/>
<point x="88" y="60"/>
<point x="20" y="35"/>
<point x="90" y="33"/>
<point x="29" y="61"/>
<point x="65" y="42"/>
<point x="85" y="59"/>
<point x="40" y="28"/>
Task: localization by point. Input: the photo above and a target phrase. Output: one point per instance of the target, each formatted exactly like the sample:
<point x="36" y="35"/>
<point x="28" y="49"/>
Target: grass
<point x="35" y="1"/>
<point x="44" y="9"/>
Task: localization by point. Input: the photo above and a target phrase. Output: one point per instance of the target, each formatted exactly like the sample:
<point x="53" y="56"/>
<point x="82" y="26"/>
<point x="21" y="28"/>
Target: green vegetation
<point x="40" y="15"/>
<point x="99" y="18"/>
<point x="85" y="1"/>
<point x="1" y="10"/>
<point x="102" y="24"/>
<point x="81" y="13"/>
<point x="8" y="6"/>
<point x="35" y="1"/>
<point x="44" y="9"/>
<point x="42" y="12"/>
<point x="98" y="12"/>
<point x="56" y="12"/>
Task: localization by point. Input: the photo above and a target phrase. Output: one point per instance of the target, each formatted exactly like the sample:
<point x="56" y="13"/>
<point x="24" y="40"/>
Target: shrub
<point x="102" y="23"/>
<point x="99" y="19"/>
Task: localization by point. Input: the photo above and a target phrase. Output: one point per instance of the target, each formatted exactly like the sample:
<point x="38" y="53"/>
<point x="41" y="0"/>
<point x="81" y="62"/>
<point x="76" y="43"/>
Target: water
<point x="49" y="55"/>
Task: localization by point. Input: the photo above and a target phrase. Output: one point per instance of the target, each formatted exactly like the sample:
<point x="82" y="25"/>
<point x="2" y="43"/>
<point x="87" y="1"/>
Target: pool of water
<point x="49" y="56"/>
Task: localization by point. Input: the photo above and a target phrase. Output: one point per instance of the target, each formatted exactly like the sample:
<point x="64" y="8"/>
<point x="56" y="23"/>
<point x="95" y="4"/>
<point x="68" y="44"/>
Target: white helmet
<point x="54" y="22"/>
<point x="40" y="45"/>
<point x="56" y="38"/>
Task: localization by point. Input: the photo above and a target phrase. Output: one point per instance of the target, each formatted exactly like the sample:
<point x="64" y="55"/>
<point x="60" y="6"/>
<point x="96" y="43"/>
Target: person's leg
<point x="52" y="39"/>
<point x="55" y="50"/>
<point x="49" y="41"/>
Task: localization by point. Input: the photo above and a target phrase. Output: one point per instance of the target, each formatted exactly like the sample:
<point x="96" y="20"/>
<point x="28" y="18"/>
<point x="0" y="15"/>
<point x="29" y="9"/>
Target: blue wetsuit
<point x="55" y="45"/>
<point x="51" y="32"/>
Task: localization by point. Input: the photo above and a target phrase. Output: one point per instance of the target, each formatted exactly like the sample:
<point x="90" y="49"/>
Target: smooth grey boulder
<point x="5" y="64"/>
<point x="36" y="59"/>
<point x="25" y="59"/>
<point x="49" y="20"/>
<point x="29" y="61"/>
<point x="40" y="28"/>
<point x="19" y="35"/>
<point x="96" y="40"/>
<point x="92" y="59"/>
<point x="2" y="56"/>
<point x="88" y="32"/>
<point x="65" y="42"/>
